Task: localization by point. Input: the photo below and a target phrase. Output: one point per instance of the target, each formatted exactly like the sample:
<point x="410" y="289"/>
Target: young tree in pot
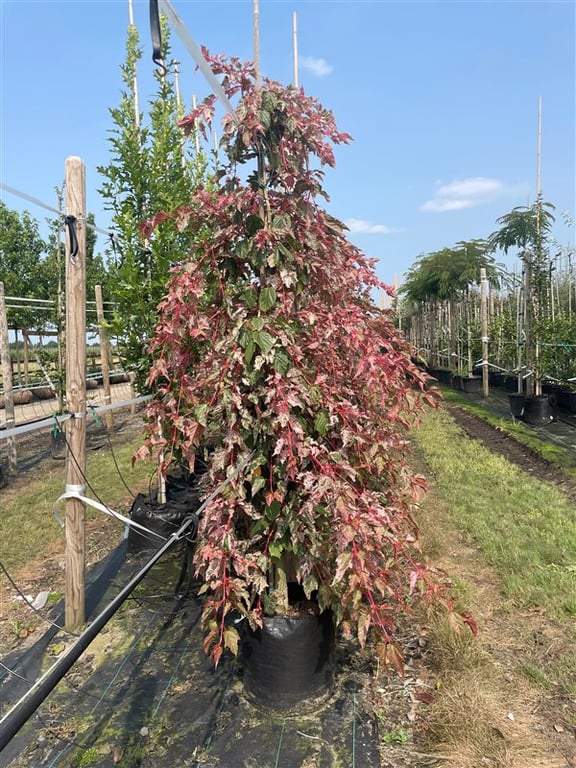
<point x="270" y="347"/>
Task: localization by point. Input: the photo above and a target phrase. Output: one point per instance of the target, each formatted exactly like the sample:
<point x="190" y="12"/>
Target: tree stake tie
<point x="70" y="222"/>
<point x="156" y="31"/>
<point x="92" y="410"/>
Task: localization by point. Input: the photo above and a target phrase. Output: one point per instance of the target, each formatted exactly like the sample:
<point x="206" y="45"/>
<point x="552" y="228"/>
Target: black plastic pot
<point x="289" y="663"/>
<point x="160" y="519"/>
<point x="563" y="397"/>
<point x="496" y="379"/>
<point x="538" y="410"/>
<point x="572" y="401"/>
<point x="516" y="400"/>
<point x="511" y="383"/>
<point x="471" y="384"/>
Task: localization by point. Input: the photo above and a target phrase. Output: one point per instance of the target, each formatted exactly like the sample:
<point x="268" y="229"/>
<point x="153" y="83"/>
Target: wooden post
<point x="75" y="176"/>
<point x="484" y="322"/>
<point x="7" y="382"/>
<point x="105" y="355"/>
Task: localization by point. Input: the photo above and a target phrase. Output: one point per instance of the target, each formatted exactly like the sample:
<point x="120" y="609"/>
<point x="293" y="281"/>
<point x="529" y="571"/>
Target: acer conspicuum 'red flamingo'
<point x="270" y="347"/>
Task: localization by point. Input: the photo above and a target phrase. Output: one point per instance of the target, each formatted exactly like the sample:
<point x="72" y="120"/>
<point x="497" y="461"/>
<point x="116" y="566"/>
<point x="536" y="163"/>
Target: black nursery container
<point x="290" y="662"/>
<point x="471" y="384"/>
<point x="538" y="410"/>
<point x="516" y="401"/>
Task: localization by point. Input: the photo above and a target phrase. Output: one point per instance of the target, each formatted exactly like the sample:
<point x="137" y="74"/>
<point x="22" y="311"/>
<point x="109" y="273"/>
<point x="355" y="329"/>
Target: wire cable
<point x="41" y="204"/>
<point x="15" y="674"/>
<point x="29" y="604"/>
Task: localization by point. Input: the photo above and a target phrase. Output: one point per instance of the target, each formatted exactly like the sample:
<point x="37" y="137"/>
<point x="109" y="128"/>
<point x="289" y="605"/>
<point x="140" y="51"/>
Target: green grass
<point x="525" y="529"/>
<point x="27" y="523"/>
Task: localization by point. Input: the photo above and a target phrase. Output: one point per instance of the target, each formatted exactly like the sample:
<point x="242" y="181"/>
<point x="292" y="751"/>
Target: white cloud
<point x="464" y="193"/>
<point x="363" y="227"/>
<point x="318" y="67"/>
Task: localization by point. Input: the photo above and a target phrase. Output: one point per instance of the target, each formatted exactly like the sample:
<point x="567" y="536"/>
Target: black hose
<point x="21" y="712"/>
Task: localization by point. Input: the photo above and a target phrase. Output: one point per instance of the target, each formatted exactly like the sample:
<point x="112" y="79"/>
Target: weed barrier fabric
<point x="146" y="695"/>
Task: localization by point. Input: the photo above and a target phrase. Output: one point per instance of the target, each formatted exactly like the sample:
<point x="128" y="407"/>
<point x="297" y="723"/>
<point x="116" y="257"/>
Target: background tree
<point x="150" y="170"/>
<point x="22" y="251"/>
<point x="440" y="279"/>
<point x="527" y="228"/>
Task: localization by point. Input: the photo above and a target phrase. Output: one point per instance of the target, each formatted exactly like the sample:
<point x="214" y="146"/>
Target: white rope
<point x="196" y="54"/>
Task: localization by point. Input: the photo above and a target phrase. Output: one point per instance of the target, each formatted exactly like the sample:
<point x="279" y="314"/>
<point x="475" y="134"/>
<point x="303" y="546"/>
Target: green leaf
<point x="264" y="340"/>
<point x="250" y="297"/>
<point x="276" y="549"/>
<point x="200" y="413"/>
<point x="231" y="639"/>
<point x="267" y="298"/>
<point x="321" y="423"/>
<point x="258" y="527"/>
<point x="281" y="361"/>
<point x="273" y="511"/>
<point x="249" y="352"/>
<point x="264" y="116"/>
<point x="281" y="221"/>
<point x="257" y="323"/>
<point x="258" y="483"/>
<point x="253" y="224"/>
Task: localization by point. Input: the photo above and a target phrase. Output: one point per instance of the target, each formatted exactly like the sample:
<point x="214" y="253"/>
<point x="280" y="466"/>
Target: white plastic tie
<point x="70" y="493"/>
<point x="72" y="488"/>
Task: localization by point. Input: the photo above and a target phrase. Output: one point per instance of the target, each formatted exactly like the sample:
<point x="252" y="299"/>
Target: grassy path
<point x="508" y="541"/>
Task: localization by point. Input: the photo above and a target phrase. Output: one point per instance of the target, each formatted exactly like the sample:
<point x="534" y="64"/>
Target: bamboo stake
<point x="537" y="373"/>
<point x="7" y="382"/>
<point x="75" y="391"/>
<point x="484" y="325"/>
<point x="135" y="82"/>
<point x="196" y="136"/>
<point x="295" y="46"/>
<point x="105" y="355"/>
<point x="257" y="41"/>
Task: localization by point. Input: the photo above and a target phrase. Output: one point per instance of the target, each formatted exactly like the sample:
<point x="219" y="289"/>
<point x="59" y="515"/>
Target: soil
<point x="544" y="718"/>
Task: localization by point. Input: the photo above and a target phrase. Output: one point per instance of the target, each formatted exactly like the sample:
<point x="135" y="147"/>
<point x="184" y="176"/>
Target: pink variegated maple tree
<point x="270" y="346"/>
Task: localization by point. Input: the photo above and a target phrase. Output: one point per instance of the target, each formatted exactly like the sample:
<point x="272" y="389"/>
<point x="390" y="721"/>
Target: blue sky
<point x="441" y="99"/>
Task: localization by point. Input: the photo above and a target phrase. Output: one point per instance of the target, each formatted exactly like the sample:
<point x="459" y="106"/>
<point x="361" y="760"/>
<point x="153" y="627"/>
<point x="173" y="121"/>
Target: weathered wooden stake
<point x="7" y="382"/>
<point x="105" y="354"/>
<point x="75" y="180"/>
